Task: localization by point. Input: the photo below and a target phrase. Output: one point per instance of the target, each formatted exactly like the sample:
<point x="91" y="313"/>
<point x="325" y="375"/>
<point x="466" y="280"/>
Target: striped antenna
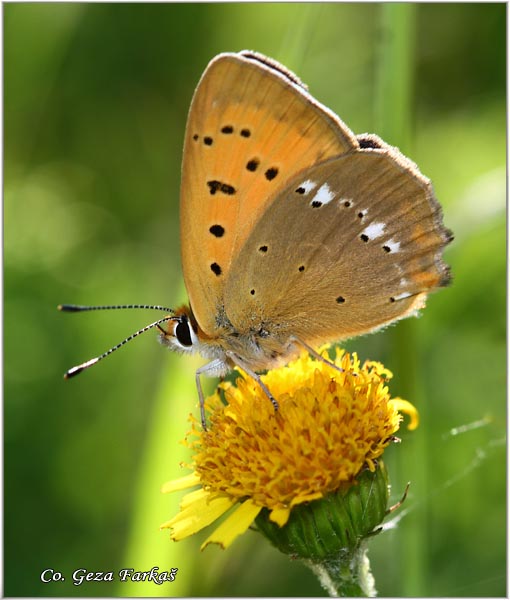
<point x="79" y="368"/>
<point x="77" y="308"/>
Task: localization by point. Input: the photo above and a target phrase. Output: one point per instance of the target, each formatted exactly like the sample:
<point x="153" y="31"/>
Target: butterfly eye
<point x="182" y="332"/>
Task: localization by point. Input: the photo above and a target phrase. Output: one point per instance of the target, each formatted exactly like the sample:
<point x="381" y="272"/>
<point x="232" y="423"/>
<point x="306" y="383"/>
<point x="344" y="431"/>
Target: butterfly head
<point x="181" y="332"/>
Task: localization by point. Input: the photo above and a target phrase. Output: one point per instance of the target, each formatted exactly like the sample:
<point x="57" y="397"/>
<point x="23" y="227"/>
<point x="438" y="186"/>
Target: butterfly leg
<point x="239" y="363"/>
<point x="211" y="369"/>
<point x="316" y="355"/>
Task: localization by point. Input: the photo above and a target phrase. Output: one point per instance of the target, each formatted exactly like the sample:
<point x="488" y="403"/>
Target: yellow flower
<point x="330" y="426"/>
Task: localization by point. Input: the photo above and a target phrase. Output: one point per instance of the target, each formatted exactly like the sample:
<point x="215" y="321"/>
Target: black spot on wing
<point x="216" y="269"/>
<point x="271" y="173"/>
<point x="252" y="164"/>
<point x="217" y="230"/>
<point x="219" y="186"/>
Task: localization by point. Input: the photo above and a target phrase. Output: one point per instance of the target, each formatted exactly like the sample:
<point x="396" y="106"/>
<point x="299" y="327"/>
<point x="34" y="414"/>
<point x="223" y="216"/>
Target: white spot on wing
<point x="374" y="230"/>
<point x="402" y="296"/>
<point x="403" y="282"/>
<point x="308" y="186"/>
<point x="393" y="246"/>
<point x="324" y="194"/>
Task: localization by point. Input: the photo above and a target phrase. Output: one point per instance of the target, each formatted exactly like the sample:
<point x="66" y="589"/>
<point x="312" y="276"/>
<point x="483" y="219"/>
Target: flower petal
<point x="197" y="512"/>
<point x="181" y="484"/>
<point x="305" y="498"/>
<point x="236" y="524"/>
<point x="407" y="408"/>
<point x="280" y="516"/>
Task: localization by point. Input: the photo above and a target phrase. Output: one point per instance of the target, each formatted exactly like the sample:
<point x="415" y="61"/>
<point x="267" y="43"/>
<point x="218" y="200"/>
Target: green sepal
<point x="335" y="524"/>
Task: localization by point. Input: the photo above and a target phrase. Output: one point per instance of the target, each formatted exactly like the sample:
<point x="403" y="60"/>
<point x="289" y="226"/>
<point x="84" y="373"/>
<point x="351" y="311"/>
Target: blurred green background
<point x="96" y="98"/>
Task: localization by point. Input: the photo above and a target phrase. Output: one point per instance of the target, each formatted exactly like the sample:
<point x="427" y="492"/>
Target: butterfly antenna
<point x="78" y="308"/>
<point x="79" y="368"/>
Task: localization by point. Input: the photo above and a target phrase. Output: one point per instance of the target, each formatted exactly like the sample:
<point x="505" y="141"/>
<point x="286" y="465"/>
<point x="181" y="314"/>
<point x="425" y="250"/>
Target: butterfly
<point x="294" y="231"/>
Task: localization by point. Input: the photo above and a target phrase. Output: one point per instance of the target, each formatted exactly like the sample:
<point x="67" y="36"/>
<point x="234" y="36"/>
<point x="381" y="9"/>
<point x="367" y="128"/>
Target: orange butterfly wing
<point x="362" y="247"/>
<point x="251" y="127"/>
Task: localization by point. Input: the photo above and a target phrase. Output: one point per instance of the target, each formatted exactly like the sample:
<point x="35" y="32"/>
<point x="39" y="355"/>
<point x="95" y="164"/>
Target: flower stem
<point x="348" y="576"/>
